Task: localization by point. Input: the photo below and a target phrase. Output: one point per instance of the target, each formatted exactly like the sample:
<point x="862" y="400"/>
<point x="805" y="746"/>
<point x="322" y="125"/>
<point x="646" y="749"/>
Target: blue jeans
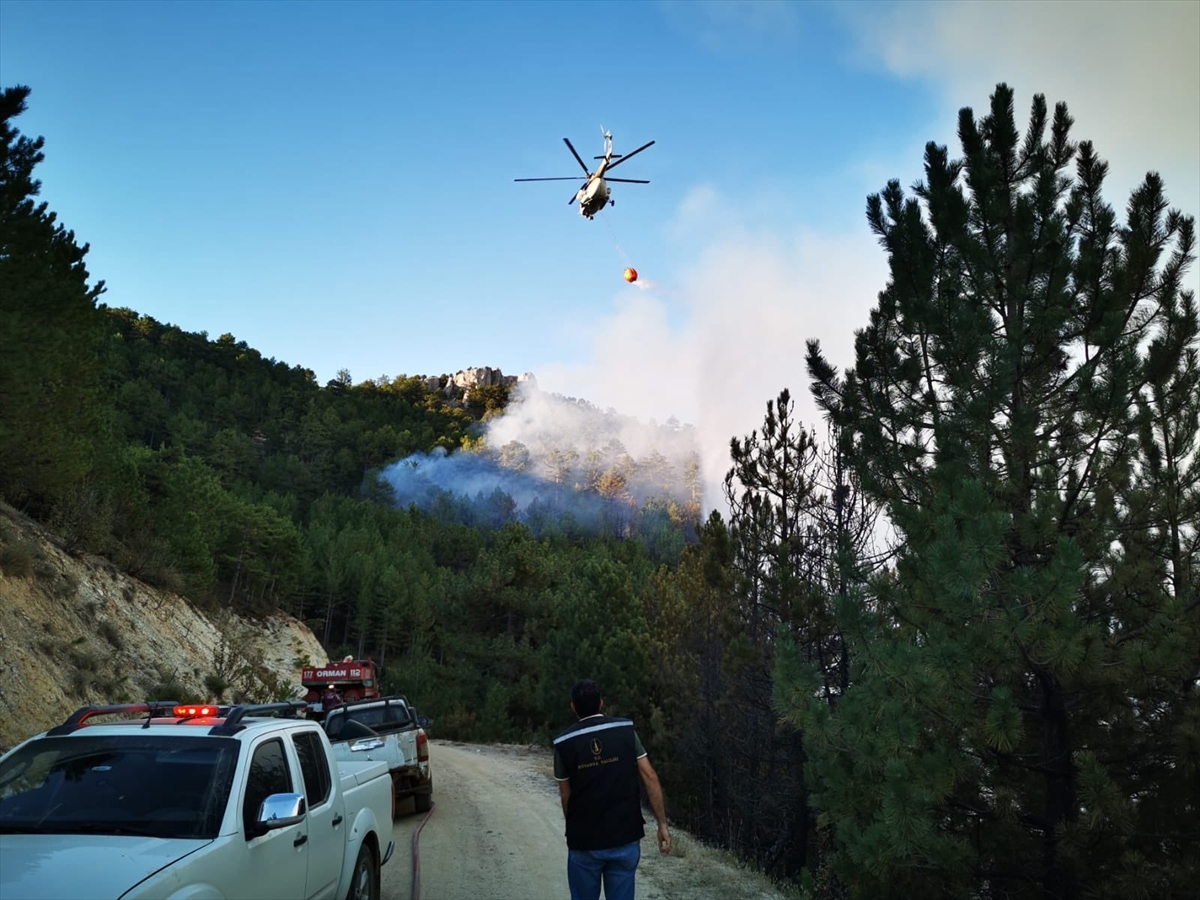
<point x="617" y="866"/>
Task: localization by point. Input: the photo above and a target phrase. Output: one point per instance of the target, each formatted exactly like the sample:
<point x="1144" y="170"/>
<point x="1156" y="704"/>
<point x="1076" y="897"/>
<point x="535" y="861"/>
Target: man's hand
<point x="654" y="792"/>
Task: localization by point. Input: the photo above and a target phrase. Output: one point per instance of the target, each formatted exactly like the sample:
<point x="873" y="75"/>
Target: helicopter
<point x="594" y="194"/>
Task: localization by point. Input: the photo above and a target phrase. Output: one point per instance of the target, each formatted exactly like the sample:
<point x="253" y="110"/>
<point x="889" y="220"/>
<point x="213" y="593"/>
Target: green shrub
<point x="107" y="630"/>
<point x="216" y="687"/>
<point x="16" y="559"/>
<point x="66" y="586"/>
<point x="84" y="661"/>
<point x="163" y="577"/>
<point x="112" y="687"/>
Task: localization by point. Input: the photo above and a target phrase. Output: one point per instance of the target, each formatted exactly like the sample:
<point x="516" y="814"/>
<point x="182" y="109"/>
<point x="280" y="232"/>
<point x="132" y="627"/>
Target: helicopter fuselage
<point x="592" y="197"/>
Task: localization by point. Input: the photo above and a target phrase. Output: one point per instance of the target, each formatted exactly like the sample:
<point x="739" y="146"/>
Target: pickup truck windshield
<point x="159" y="786"/>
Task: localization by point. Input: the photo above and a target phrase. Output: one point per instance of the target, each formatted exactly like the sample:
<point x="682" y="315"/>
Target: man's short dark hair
<point x="585" y="695"/>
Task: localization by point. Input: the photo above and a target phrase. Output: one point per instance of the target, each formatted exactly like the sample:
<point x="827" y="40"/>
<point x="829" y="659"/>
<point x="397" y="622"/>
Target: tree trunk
<point x="328" y="619"/>
<point x="1058" y="883"/>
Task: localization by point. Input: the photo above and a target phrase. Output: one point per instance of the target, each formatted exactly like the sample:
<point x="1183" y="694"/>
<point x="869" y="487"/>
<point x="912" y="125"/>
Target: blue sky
<point x="333" y="182"/>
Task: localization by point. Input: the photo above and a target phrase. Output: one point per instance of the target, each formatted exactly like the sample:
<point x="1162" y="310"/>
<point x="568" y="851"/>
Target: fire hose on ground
<point x="416" y="855"/>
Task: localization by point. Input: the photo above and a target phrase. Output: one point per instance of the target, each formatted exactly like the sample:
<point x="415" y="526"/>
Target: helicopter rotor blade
<point x="578" y="158"/>
<point x="628" y="180"/>
<point x="567" y="178"/>
<point x="627" y="156"/>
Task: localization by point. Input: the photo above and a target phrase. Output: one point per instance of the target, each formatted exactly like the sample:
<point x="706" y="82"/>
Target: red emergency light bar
<point x="188" y="712"/>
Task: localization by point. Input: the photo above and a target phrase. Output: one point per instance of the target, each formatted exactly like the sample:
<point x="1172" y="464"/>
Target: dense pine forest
<point x="944" y="643"/>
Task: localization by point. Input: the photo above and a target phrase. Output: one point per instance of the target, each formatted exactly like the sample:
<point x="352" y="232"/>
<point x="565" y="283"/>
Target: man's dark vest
<point x="605" y="809"/>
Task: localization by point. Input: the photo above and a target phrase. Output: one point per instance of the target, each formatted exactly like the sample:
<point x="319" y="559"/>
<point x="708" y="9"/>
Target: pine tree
<point x="798" y="532"/>
<point x="1023" y="717"/>
<point x="690" y="621"/>
<point x="50" y="334"/>
<point x="771" y="494"/>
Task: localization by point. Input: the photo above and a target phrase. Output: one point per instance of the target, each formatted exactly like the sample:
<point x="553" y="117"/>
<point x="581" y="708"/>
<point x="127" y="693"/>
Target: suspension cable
<point x="616" y="243"/>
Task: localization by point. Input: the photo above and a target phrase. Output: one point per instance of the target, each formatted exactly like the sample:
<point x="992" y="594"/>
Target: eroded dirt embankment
<point x="74" y="631"/>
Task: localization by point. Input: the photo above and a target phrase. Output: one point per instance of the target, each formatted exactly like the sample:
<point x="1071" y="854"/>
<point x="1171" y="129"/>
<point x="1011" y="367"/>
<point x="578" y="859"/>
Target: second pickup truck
<point x="385" y="729"/>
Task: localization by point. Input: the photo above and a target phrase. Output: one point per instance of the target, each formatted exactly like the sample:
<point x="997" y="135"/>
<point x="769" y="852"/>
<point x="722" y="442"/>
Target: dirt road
<point x="496" y="833"/>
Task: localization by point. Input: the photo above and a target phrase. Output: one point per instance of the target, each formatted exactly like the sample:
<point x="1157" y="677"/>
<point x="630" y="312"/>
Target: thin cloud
<point x="727" y="25"/>
<point x="1128" y="71"/>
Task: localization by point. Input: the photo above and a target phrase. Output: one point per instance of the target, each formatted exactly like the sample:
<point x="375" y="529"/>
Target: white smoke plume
<point x="553" y="456"/>
<point x="713" y="348"/>
<point x="546" y="423"/>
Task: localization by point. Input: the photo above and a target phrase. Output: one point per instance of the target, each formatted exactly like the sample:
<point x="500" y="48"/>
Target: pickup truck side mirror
<point x="366" y="744"/>
<point x="280" y="811"/>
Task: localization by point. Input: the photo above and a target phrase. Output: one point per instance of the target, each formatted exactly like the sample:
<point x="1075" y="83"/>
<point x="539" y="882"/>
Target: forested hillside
<point x="201" y="466"/>
<point x="999" y="700"/>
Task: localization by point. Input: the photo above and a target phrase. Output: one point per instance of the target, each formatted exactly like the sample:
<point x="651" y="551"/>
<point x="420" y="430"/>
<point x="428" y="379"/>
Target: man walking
<point x="597" y="762"/>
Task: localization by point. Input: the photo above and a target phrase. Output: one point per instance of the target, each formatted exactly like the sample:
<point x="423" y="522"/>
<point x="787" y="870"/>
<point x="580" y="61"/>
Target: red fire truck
<point x="354" y="679"/>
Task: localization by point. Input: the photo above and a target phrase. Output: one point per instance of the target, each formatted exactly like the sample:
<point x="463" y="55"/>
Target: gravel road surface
<point x="496" y="833"/>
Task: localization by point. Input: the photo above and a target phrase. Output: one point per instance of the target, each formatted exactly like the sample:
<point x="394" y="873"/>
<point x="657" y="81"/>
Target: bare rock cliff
<point x="76" y="631"/>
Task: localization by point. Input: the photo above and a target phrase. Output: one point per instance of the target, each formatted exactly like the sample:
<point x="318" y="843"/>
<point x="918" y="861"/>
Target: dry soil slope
<point x="75" y="631"/>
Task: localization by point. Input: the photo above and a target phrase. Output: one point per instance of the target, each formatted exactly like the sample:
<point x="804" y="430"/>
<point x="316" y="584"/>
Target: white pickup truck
<point x="385" y="729"/>
<point x="195" y="802"/>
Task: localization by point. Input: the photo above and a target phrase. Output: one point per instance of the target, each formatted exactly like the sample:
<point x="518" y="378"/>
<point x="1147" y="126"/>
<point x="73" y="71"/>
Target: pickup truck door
<point x="274" y="864"/>
<point x="326" y="824"/>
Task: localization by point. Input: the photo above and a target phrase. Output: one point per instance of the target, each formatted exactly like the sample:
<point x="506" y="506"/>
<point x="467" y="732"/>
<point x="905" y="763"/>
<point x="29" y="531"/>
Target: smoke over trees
<point x="561" y="466"/>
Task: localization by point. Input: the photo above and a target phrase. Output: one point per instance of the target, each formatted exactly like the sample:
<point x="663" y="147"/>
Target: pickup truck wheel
<point x="423" y="802"/>
<point x="364" y="884"/>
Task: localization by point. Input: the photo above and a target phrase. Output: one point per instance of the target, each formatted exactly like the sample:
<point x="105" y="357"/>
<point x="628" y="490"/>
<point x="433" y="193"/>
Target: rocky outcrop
<point x="481" y="376"/>
<point x="461" y="383"/>
<point x="75" y="631"/>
